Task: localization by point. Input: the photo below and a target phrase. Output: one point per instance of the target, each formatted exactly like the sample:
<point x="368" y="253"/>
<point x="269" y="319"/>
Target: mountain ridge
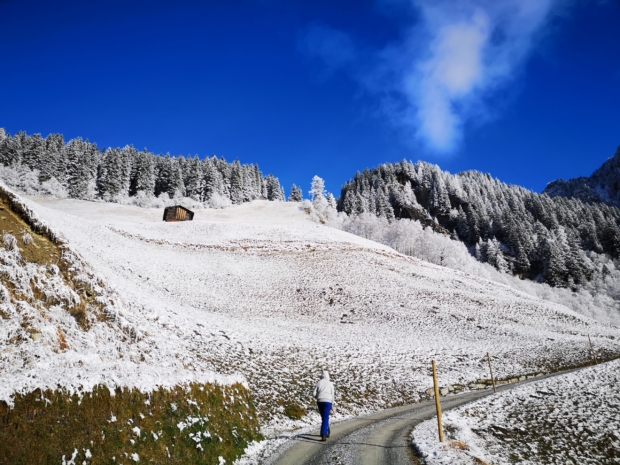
<point x="603" y="185"/>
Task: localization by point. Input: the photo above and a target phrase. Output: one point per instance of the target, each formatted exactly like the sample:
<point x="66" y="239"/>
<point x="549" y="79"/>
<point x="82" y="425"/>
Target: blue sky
<point x="527" y="90"/>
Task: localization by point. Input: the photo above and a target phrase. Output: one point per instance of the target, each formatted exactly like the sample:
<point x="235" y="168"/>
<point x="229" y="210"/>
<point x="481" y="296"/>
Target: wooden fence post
<point x="437" y="402"/>
<point x="491" y="370"/>
<point x="592" y="349"/>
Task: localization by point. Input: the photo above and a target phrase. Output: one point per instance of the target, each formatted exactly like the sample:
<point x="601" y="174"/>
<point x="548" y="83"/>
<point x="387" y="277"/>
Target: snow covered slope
<point x="62" y="325"/>
<point x="572" y="418"/>
<point x="259" y="289"/>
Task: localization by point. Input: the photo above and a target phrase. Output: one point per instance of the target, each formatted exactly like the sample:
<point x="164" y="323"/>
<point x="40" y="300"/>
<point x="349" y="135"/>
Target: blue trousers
<point x="324" y="408"/>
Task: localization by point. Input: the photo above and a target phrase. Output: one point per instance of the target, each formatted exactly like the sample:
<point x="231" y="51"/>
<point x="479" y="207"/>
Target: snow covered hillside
<point x="63" y="326"/>
<point x="77" y="367"/>
<point x="259" y="289"/>
<point x="572" y="418"/>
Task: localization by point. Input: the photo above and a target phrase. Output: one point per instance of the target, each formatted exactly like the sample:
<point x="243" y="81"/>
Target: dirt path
<point x="378" y="439"/>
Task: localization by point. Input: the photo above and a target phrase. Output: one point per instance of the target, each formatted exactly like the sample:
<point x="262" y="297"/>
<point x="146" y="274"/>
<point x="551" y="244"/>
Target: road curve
<point x="378" y="439"/>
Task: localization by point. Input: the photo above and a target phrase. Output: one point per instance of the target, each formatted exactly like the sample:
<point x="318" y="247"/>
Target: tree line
<point x="86" y="172"/>
<point x="554" y="240"/>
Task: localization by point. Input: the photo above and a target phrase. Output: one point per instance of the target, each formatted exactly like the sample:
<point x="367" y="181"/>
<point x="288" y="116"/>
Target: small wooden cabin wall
<point x="178" y="213"/>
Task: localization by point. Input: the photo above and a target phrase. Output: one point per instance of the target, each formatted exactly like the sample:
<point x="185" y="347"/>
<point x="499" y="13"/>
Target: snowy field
<point x="43" y="346"/>
<point x="260" y="290"/>
<point x="568" y="419"/>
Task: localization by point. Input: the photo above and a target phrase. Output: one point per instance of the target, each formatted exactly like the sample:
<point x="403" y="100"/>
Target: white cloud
<point x="454" y="69"/>
<point x="453" y="56"/>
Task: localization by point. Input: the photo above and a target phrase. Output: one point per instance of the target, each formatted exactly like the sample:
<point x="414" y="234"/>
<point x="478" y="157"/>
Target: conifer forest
<point x="79" y="169"/>
<point x="556" y="240"/>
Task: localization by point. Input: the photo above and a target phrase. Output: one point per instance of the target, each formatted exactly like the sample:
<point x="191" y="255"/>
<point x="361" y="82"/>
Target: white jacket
<point x="324" y="389"/>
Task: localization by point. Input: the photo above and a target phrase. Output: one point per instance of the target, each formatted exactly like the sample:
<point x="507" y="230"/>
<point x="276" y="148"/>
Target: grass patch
<point x="480" y="461"/>
<point x="458" y="445"/>
<point x="34" y="247"/>
<point x="38" y="245"/>
<point x="294" y="411"/>
<point x="196" y="424"/>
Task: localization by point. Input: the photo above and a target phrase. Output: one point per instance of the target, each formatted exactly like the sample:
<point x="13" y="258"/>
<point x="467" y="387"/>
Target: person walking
<point x="324" y="395"/>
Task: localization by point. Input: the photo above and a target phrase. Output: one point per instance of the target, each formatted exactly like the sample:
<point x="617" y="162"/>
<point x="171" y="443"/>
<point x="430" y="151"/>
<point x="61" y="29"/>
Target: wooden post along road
<point x="437" y="401"/>
<point x="491" y="370"/>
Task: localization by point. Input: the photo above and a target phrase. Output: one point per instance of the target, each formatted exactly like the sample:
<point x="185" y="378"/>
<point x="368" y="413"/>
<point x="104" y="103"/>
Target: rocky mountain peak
<point x="602" y="186"/>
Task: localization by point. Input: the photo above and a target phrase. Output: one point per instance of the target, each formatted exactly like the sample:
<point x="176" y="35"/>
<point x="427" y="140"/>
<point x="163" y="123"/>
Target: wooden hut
<point x="178" y="213"/>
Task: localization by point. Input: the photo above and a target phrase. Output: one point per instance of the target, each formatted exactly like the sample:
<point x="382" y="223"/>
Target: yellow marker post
<point x="491" y="370"/>
<point x="437" y="403"/>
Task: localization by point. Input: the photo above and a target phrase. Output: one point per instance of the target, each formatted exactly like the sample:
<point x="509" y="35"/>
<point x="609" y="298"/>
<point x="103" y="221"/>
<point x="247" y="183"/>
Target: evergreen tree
<point x="274" y="191"/>
<point x="208" y="172"/>
<point x="33" y="153"/>
<point x="114" y="173"/>
<point x="554" y="250"/>
<point x="331" y="201"/>
<point x="176" y="187"/>
<point x="359" y="205"/>
<point x="347" y="203"/>
<point x="462" y="227"/>
<point x="408" y="199"/>
<point x="53" y="163"/>
<point x="250" y="182"/>
<point x="128" y="158"/>
<point x="439" y="201"/>
<point x="110" y="175"/>
<point x="236" y="183"/>
<point x="473" y="226"/>
<point x="163" y="175"/>
<point x="494" y="255"/>
<point x="13" y="149"/>
<point x="317" y="190"/>
<point x="213" y="183"/>
<point x="81" y="167"/>
<point x="296" y="194"/>
<point x="194" y="178"/>
<point x="610" y="240"/>
<point x="143" y="174"/>
<point x="522" y="264"/>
